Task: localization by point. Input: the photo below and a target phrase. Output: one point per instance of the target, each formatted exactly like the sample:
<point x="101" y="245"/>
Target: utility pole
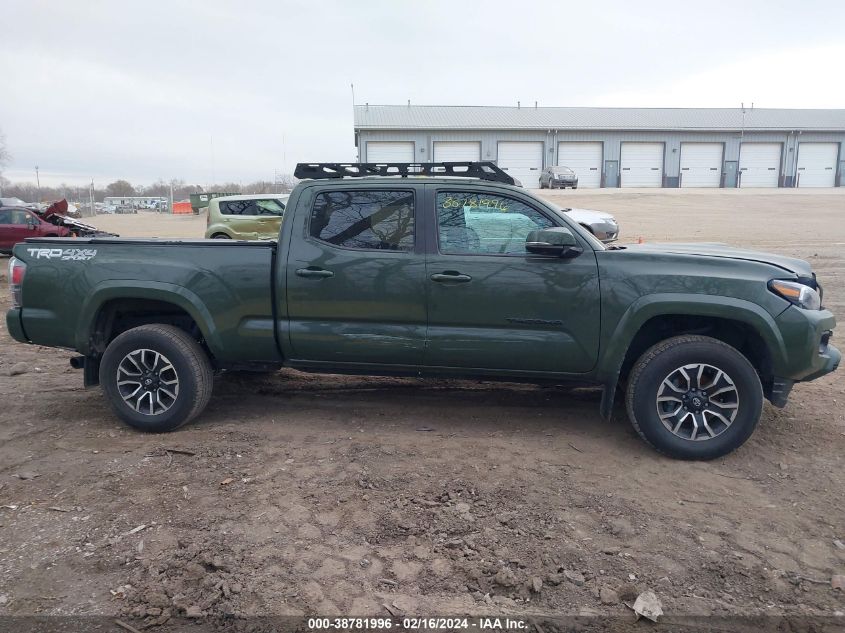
<point x="38" y="184"/>
<point x="171" y="196"/>
<point x="91" y="198"/>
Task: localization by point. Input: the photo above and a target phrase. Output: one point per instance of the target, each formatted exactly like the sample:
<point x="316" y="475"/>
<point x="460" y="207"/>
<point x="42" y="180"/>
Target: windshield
<point x="594" y="242"/>
<point x="562" y="170"/>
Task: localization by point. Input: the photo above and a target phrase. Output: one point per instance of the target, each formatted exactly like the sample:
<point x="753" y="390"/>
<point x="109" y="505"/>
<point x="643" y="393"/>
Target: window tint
<point x="5" y="216"/>
<point x="372" y="220"/>
<point x="238" y="207"/>
<point x="474" y="223"/>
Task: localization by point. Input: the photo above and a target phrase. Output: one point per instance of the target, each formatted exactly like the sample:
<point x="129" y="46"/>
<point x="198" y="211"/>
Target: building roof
<point x="405" y="117"/>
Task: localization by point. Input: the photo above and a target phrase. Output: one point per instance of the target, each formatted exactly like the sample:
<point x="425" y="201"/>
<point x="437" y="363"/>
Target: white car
<point x="601" y="224"/>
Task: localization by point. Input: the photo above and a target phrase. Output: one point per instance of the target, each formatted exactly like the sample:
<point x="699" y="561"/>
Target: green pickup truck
<point x="433" y="272"/>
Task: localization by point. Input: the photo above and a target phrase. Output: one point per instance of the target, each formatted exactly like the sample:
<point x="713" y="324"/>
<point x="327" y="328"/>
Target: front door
<point x="493" y="306"/>
<point x="15" y="226"/>
<point x="355" y="285"/>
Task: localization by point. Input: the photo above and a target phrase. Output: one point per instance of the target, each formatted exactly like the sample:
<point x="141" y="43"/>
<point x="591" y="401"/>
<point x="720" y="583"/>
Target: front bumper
<point x="15" y="326"/>
<point x="806" y="339"/>
<point x="563" y="183"/>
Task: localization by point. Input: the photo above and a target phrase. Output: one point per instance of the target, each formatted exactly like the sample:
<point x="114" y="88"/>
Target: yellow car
<point x="247" y="217"/>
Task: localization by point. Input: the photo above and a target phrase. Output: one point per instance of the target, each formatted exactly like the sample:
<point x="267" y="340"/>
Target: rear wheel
<point x="694" y="397"/>
<point x="220" y="236"/>
<point x="156" y="377"/>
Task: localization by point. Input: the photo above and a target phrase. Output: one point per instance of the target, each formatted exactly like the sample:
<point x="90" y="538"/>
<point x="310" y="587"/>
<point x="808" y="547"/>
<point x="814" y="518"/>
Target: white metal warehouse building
<point x="617" y="147"/>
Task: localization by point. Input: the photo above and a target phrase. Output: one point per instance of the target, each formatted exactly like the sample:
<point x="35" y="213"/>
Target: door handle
<point x="314" y="273"/>
<point x="457" y="278"/>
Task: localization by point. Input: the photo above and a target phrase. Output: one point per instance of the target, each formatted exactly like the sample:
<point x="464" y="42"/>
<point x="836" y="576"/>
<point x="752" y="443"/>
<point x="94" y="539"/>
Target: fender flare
<point x="654" y="305"/>
<point x="153" y="290"/>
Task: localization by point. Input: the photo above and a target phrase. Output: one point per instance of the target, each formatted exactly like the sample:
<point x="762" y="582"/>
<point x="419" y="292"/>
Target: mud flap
<point x="91" y="372"/>
<point x="607" y="397"/>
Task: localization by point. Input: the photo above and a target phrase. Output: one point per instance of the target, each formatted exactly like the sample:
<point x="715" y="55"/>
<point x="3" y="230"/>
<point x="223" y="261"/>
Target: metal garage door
<point x="584" y="159"/>
<point x="390" y="152"/>
<point x="448" y="151"/>
<point x="759" y="164"/>
<point x="642" y="164"/>
<point x="817" y="164"/>
<point x="523" y="161"/>
<point x="701" y="165"/>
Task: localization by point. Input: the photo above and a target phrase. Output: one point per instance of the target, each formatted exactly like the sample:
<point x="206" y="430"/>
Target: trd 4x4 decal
<point x="74" y="254"/>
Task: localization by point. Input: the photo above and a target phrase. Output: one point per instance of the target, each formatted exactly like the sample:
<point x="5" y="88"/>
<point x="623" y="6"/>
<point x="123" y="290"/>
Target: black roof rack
<point x="484" y="170"/>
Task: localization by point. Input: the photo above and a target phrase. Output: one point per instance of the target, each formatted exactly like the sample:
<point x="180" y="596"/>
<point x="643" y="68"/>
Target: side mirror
<point x="557" y="241"/>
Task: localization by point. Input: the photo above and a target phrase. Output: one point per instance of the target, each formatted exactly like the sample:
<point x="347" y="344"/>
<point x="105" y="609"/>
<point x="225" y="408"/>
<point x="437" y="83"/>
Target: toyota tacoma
<point x="443" y="270"/>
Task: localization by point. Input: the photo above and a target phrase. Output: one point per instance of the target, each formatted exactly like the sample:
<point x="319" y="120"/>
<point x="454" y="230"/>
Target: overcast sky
<point x="232" y="91"/>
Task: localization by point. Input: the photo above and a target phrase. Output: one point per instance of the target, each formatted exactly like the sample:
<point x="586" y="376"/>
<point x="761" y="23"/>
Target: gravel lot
<point x="335" y="495"/>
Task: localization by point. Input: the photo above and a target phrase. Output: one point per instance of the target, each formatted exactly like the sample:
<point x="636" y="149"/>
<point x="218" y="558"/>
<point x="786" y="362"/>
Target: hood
<point x="790" y="264"/>
<point x="589" y="215"/>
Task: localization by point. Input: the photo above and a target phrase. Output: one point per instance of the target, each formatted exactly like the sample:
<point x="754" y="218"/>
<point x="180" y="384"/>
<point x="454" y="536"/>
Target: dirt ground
<point x="298" y="494"/>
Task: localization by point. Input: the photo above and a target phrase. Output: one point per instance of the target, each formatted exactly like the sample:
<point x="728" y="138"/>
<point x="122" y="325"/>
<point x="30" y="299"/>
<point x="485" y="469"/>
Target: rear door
<point x="355" y="276"/>
<point x="493" y="306"/>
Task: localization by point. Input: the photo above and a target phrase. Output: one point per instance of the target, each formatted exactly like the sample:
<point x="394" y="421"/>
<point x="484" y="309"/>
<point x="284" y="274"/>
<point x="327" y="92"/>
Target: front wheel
<point x="694" y="397"/>
<point x="156" y="377"/>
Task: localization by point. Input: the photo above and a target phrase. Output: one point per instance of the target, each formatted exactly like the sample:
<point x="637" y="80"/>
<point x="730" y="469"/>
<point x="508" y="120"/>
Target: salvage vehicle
<point x="245" y="217"/>
<point x="396" y="269"/>
<point x="18" y="224"/>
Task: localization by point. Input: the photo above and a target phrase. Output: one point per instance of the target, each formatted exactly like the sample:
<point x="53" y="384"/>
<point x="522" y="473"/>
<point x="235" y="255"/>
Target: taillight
<point x="17" y="270"/>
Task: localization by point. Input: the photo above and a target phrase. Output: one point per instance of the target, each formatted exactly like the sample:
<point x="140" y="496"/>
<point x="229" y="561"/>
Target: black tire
<point x="188" y="361"/>
<point x="220" y="236"/>
<point x="659" y="363"/>
<point x="574" y="186"/>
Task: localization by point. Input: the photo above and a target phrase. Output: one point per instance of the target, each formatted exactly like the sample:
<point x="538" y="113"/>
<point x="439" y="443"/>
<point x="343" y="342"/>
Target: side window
<point x="5" y="216"/>
<point x="20" y="217"/>
<point x="369" y="220"/>
<point x="269" y="207"/>
<point x="480" y="224"/>
<point x="238" y="207"/>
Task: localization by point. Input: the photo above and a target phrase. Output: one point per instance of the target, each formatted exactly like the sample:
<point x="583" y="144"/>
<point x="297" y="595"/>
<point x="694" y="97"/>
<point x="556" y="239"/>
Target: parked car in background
<point x="14" y="202"/>
<point x="19" y="223"/>
<point x="601" y="224"/>
<point x="246" y="217"/>
<point x="558" y="178"/>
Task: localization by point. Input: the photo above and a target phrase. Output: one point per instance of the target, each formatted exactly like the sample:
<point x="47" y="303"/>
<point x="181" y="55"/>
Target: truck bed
<point x="223" y="285"/>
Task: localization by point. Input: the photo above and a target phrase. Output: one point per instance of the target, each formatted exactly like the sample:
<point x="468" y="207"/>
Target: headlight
<point x="797" y="294"/>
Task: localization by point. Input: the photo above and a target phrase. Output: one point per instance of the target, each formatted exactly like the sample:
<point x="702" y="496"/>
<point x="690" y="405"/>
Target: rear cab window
<point x="364" y="219"/>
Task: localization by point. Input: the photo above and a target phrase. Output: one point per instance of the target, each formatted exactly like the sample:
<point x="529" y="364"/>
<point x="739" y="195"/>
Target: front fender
<point x="654" y="305"/>
<point x="153" y="290"/>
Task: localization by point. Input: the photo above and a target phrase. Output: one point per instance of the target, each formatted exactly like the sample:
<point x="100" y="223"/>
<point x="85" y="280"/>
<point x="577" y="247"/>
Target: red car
<point x="17" y="224"/>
